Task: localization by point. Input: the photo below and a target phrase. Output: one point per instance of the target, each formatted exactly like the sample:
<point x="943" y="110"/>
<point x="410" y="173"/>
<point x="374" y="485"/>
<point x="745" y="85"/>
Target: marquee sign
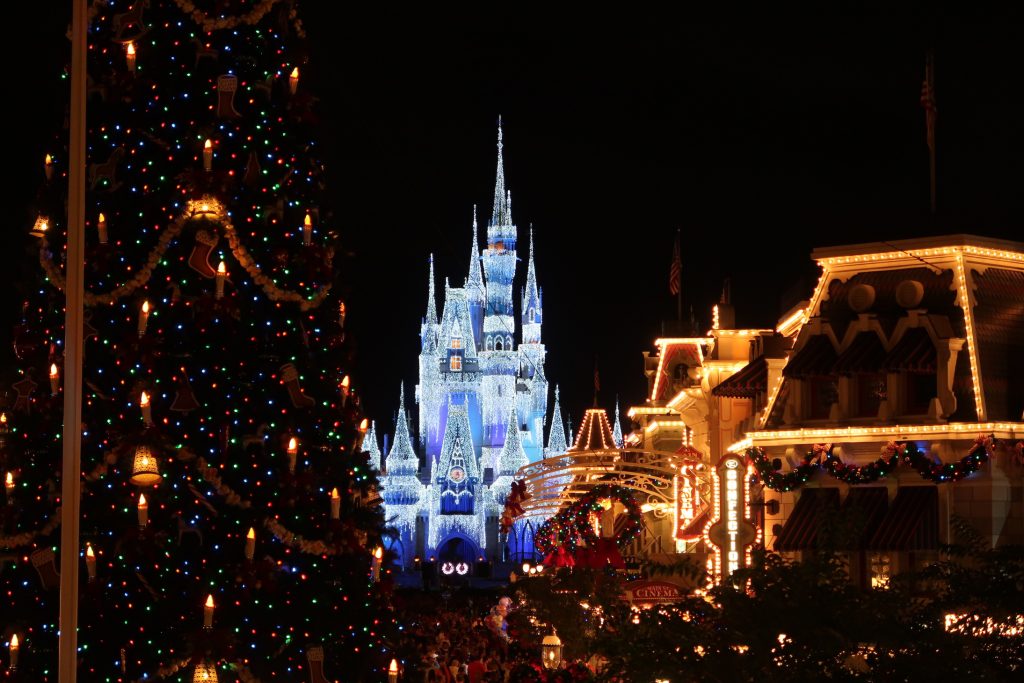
<point x="687" y="502"/>
<point x="653" y="592"/>
<point x="731" y="533"/>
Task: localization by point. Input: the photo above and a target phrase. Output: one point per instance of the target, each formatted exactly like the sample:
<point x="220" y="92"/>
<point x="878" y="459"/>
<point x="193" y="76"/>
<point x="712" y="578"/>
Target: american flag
<point x="928" y="99"/>
<point x="676" y="271"/>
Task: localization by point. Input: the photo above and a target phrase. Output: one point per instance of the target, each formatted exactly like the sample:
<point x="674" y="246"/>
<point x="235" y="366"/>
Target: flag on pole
<point x="676" y="271"/>
<point x="928" y="99"/>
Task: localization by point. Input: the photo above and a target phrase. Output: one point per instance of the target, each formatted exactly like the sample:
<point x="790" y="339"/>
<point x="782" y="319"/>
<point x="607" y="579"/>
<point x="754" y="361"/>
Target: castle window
<point x="497" y="344"/>
<point x="490" y="343"/>
<point x="455" y="363"/>
<point x="456" y="342"/>
<point x="530" y="316"/>
<point x="508" y="343"/>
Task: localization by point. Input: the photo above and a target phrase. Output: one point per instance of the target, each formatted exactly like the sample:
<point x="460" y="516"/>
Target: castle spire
<point x="502" y="214"/>
<point x="431" y="297"/>
<point x="476" y="278"/>
<point x="512" y="455"/>
<point x="531" y="297"/>
<point x="556" y="437"/>
<point x="617" y="427"/>
<point x="370" y="445"/>
<point x="402" y="458"/>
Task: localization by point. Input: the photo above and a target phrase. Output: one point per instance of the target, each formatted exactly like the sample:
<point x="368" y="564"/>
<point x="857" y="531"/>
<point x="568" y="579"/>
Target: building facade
<point x="482" y="400"/>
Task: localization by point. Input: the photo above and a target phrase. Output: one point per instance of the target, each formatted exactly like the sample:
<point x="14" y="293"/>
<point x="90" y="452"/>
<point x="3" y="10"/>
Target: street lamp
<point x="551" y="650"/>
<point x="526" y="568"/>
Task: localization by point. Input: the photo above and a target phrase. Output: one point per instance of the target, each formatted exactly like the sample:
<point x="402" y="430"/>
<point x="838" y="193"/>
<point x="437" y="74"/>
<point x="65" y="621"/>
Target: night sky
<point x="758" y="142"/>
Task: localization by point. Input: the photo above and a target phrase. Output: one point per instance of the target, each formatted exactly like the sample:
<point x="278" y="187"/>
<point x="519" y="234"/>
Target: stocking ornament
<point x="290" y="378"/>
<point x="252" y="170"/>
<point x="199" y="260"/>
<point x="226" y="87"/>
<point x="315" y="657"/>
<point x="44" y="562"/>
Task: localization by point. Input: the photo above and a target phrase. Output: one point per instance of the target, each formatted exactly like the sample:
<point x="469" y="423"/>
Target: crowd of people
<point x="462" y="638"/>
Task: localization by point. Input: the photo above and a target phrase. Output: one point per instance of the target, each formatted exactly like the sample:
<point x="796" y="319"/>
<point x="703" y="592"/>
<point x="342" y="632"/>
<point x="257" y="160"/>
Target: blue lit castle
<point x="482" y="397"/>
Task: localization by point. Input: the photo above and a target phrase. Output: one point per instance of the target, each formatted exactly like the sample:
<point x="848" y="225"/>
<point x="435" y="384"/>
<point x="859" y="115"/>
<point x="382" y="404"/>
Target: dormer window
<point x="456" y="342"/>
<point x="455" y="354"/>
<point x="455" y="364"/>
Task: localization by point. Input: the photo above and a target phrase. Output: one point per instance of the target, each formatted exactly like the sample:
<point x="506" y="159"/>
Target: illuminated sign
<point x="731" y="533"/>
<point x="653" y="592"/>
<point x="687" y="502"/>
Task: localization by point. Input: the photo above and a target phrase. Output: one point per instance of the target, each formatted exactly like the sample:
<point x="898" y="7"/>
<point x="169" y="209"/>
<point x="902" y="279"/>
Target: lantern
<point x="145" y="470"/>
<point x="205" y="673"/>
<point x="551" y="650"/>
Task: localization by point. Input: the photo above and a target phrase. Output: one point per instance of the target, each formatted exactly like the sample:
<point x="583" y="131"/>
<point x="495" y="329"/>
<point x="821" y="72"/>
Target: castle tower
<point x="403" y="492"/>
<point x="371" y="447"/>
<point x="532" y="403"/>
<point x="500" y="362"/>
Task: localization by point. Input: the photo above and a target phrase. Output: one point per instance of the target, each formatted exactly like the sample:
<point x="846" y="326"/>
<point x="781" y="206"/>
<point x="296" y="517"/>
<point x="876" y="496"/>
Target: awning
<point x="746" y="383"/>
<point x="915" y="352"/>
<point x="864" y="354"/>
<point x="695" y="529"/>
<point x="912" y="522"/>
<point x="866" y="506"/>
<point x="801" y="529"/>
<point x="815" y="358"/>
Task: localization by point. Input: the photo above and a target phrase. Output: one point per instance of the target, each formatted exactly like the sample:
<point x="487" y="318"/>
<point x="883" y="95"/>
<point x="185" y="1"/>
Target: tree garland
<point x="572" y="525"/>
<point x="822" y="456"/>
<point x="241" y="254"/>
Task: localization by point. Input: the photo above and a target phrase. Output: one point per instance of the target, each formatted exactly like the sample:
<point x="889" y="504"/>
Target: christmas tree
<point x="228" y="515"/>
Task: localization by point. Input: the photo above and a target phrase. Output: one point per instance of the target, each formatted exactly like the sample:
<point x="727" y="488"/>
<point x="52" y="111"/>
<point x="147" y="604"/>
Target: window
<point x="456" y="342"/>
<point x="921" y="389"/>
<point x="881" y="570"/>
<point x="508" y="343"/>
<point x="871" y="390"/>
<point x="497" y="344"/>
<point x="490" y="343"/>
<point x="823" y="393"/>
<point x="455" y="363"/>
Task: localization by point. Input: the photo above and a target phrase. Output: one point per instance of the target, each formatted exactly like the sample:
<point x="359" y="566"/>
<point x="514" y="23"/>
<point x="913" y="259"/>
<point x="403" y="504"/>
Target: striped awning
<point x="746" y="383"/>
<point x="866" y="507"/>
<point x="816" y="358"/>
<point x="695" y="529"/>
<point x="864" y="354"/>
<point x="912" y="522"/>
<point x="915" y="352"/>
<point x="800" y="531"/>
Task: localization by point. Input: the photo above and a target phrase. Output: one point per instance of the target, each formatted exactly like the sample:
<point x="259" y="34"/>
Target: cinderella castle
<point x="482" y="398"/>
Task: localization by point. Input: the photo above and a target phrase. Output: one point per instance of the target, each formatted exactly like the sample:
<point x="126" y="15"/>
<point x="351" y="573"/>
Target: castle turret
<point x="556" y="437"/>
<point x="371" y="447"/>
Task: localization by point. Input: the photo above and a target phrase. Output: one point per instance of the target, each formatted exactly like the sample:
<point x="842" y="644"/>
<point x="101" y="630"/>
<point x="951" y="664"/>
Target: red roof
<point x="747" y="383"/>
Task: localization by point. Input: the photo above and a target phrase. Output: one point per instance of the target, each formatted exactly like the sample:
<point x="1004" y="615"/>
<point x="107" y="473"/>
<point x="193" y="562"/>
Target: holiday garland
<point x="142" y="277"/>
<point x="572" y="525"/>
<point x="822" y="456"/>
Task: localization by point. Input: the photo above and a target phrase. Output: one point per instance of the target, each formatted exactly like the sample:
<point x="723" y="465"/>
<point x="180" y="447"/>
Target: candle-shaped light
<point x="143" y="318"/>
<point x="208" y="612"/>
<point x="222" y="274"/>
<point x="378" y="555"/>
<point x="54" y="379"/>
<point x="250" y="544"/>
<point x="129" y="55"/>
<point x="208" y="155"/>
<point x="48" y="167"/>
<point x="9" y="486"/>
<point x="15" y="647"/>
<point x="393" y="671"/>
<point x="293" y="81"/>
<point x="364" y="426"/>
<point x="307" y="230"/>
<point x="335" y="503"/>
<point x="101" y="228"/>
<point x="90" y="561"/>
<point x="341" y="315"/>
<point x="143" y="511"/>
<point x="344" y="390"/>
<point x="293" y="453"/>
